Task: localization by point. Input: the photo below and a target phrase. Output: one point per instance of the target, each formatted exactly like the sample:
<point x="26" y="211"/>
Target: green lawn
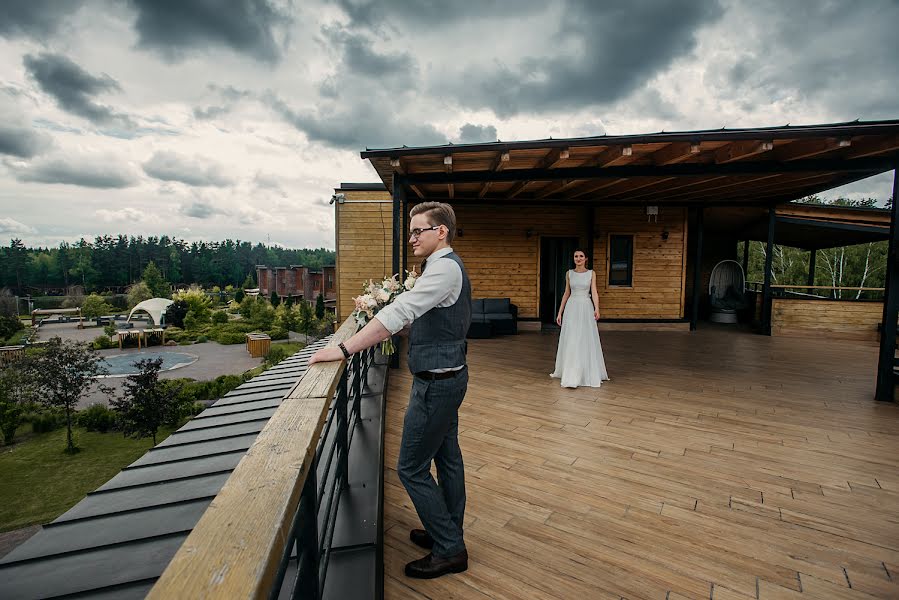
<point x="15" y="339"/>
<point x="39" y="482"/>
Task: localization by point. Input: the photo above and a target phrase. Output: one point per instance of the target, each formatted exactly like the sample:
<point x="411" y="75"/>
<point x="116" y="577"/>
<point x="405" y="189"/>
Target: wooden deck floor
<point x="718" y="464"/>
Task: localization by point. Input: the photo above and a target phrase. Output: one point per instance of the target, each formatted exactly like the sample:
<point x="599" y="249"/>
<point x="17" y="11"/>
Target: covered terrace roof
<point x="805" y="226"/>
<point x="724" y="166"/>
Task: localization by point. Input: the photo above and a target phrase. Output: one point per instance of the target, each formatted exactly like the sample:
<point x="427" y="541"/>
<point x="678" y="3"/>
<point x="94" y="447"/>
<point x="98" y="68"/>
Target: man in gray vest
<point x="438" y="309"/>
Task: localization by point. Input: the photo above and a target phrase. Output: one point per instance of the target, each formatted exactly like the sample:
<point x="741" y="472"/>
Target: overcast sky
<point x="213" y="119"/>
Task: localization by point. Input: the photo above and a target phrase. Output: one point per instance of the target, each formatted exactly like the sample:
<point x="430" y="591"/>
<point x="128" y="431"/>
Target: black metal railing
<point x="312" y="532"/>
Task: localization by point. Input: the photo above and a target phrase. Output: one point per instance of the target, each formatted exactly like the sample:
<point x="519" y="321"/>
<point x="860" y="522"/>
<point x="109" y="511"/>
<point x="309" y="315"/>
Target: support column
<point x="399" y="200"/>
<point x="591" y="218"/>
<point x="769" y="257"/>
<point x="813" y="254"/>
<point x="697" y="269"/>
<point x="746" y="259"/>
<point x="405" y="241"/>
<point x="399" y="197"/>
<point x="886" y="361"/>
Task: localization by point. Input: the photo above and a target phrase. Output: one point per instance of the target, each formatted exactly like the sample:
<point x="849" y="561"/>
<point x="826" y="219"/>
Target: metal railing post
<point x="342" y="429"/>
<point x="307" y="543"/>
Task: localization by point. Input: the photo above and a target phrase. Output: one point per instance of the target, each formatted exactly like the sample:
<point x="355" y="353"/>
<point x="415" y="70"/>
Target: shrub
<point x="239" y="295"/>
<point x="95" y="306"/>
<point x="219" y="317"/>
<point x="275" y="355"/>
<point x="8" y="326"/>
<point x="227" y="338"/>
<point x="202" y="339"/>
<point x="45" y="421"/>
<point x="277" y="333"/>
<point x="97" y="417"/>
<point x="102" y="342"/>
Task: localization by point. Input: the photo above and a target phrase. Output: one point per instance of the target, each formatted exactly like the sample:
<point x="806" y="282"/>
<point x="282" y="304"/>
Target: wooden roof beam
<point x="552" y="159"/>
<point x="808" y="148"/>
<point x="397" y="164"/>
<point x="448" y="167"/>
<point x="675" y="152"/>
<point x="862" y="150"/>
<point x="740" y="150"/>
<point x="595" y="186"/>
<point x="498" y="165"/>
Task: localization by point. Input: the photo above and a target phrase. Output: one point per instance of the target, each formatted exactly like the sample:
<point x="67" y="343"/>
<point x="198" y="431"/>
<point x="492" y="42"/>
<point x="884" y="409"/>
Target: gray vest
<point x="437" y="338"/>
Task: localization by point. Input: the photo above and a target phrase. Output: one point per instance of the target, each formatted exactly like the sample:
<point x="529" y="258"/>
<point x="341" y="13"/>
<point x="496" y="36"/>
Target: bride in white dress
<point x="579" y="360"/>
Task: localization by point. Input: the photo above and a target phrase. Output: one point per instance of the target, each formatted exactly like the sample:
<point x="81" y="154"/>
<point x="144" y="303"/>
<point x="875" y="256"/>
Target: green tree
<point x="137" y="293"/>
<point x="147" y="403"/>
<point x="248" y="283"/>
<point x="8" y="326"/>
<point x="306" y="320"/>
<point x="275" y="299"/>
<point x="16" y="390"/>
<point x="320" y="307"/>
<point x="95" y="306"/>
<point x="199" y="306"/>
<point x="62" y="372"/>
<point x="158" y="286"/>
<point x="17" y="259"/>
<point x="239" y="295"/>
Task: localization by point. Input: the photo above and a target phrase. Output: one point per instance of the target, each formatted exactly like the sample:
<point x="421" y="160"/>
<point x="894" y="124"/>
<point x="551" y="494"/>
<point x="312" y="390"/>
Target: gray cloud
<point x="11" y="226"/>
<point x="173" y="27"/>
<point x="34" y="18"/>
<point x="801" y="51"/>
<point x="73" y="88"/>
<point x="210" y="112"/>
<point x="374" y="14"/>
<point x="169" y="166"/>
<point x="92" y="174"/>
<point x="360" y="57"/>
<point x="359" y="122"/>
<point x="201" y="209"/>
<point x="470" y="134"/>
<point x="600" y="54"/>
<point x="23" y="142"/>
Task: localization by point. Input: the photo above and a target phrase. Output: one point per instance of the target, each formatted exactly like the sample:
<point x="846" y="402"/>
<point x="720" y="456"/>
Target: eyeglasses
<point x="416" y="233"/>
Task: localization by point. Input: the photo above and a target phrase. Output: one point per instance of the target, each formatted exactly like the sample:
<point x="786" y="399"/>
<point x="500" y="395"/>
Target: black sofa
<point x="491" y="316"/>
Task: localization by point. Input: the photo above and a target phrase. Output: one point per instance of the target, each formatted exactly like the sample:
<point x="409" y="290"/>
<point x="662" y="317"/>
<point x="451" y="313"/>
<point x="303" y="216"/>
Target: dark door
<point x="555" y="260"/>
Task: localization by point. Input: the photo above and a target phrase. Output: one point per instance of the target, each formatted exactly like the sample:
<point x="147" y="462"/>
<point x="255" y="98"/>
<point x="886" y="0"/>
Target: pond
<point x="120" y="365"/>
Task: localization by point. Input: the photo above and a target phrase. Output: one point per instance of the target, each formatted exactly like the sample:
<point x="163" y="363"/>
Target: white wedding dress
<point x="579" y="360"/>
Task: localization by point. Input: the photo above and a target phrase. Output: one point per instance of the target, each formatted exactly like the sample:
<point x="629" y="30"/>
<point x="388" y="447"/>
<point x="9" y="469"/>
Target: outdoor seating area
<point x="493" y="316"/>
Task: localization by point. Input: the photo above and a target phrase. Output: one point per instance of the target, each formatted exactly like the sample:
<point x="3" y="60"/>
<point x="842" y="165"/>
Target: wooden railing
<point x="272" y="503"/>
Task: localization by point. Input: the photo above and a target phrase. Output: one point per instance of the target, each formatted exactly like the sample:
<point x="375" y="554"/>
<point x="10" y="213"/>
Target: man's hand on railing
<point x="326" y="355"/>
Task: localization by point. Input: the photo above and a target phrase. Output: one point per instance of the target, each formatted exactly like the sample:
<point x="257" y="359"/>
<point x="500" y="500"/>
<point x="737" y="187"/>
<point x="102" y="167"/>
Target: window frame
<point x="630" y="270"/>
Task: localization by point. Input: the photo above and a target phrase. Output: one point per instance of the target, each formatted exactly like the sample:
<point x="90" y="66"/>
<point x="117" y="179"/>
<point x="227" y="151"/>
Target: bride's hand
<point x="596" y="315"/>
<point x="559" y="320"/>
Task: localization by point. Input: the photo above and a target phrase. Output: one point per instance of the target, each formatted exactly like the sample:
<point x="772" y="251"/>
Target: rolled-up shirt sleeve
<point x="441" y="281"/>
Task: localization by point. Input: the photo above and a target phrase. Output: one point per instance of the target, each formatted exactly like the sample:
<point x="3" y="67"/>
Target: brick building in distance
<point x="299" y="282"/>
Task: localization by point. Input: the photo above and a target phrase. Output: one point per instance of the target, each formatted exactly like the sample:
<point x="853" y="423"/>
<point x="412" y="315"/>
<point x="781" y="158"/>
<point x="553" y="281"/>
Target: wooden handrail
<point x="235" y="549"/>
<point x="828" y="287"/>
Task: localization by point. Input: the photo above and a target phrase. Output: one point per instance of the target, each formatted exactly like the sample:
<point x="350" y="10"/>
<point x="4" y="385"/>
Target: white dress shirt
<point x="439" y="286"/>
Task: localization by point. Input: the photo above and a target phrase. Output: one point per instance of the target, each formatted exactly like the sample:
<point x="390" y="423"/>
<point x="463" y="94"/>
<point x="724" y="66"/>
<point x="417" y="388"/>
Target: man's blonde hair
<point x="437" y="213"/>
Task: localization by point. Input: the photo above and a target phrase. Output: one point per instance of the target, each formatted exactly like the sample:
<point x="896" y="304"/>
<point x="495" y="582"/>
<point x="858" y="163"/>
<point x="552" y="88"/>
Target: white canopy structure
<point x="155" y="307"/>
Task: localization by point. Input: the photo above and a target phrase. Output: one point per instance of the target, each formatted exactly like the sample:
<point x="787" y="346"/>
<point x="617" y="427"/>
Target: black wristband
<point x="343" y="349"/>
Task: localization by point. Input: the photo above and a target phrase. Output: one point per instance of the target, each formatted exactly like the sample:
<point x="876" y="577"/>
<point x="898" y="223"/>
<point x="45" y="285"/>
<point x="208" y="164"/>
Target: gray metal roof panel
<point x="117" y="541"/>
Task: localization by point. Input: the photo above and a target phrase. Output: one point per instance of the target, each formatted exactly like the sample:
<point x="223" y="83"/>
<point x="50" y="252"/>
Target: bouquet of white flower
<point x="376" y="296"/>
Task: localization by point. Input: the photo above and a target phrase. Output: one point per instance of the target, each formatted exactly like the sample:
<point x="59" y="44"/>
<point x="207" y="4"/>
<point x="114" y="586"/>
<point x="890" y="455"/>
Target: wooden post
<point x="813" y="254"/>
<point x="399" y="199"/>
<point x="746" y="259"/>
<point x="766" y="290"/>
<point x="404" y="241"/>
<point x="887" y="358"/>
<point x="591" y="216"/>
<point x="697" y="270"/>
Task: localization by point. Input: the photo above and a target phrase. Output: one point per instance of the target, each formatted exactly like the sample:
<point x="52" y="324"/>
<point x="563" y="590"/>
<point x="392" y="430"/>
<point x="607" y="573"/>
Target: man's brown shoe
<point x="421" y="538"/>
<point x="430" y="566"/>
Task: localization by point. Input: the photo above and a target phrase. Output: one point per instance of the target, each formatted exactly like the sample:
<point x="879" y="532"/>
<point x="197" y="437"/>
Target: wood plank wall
<point x="659" y="265"/>
<point x="364" y="243"/>
<point x="503" y="261"/>
<point x="833" y="318"/>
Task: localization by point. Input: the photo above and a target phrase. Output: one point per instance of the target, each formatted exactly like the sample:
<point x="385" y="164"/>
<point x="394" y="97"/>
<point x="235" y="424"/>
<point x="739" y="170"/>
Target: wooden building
<point x="653" y="212"/>
<point x="298" y="282"/>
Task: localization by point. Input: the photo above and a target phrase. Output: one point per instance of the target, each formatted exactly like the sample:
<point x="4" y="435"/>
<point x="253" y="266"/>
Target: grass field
<point x="40" y="481"/>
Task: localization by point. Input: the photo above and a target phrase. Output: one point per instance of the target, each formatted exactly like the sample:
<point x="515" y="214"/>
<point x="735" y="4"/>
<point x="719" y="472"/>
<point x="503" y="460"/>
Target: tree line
<point x="118" y="261"/>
